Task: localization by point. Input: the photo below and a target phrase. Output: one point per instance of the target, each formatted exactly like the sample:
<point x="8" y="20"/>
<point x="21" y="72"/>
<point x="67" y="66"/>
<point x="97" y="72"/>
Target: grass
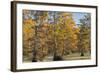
<point x="72" y="56"/>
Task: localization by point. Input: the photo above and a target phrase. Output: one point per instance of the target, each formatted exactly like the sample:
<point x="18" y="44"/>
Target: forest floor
<point x="73" y="56"/>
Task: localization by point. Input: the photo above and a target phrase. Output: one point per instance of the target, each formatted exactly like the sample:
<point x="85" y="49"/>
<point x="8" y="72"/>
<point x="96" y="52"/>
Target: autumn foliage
<point x="53" y="34"/>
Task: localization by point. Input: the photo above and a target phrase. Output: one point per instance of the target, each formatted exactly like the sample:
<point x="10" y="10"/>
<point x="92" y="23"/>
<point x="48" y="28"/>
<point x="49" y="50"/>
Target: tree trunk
<point x="82" y="53"/>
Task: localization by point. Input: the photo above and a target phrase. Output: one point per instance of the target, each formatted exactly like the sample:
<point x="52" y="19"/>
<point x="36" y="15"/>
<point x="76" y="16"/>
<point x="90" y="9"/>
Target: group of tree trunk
<point x="51" y="33"/>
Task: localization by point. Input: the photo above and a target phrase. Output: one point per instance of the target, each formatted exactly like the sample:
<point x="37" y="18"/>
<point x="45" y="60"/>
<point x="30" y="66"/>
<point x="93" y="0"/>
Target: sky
<point x="77" y="16"/>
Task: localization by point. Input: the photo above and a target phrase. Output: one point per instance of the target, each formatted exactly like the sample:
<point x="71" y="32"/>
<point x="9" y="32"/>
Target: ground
<point x="73" y="56"/>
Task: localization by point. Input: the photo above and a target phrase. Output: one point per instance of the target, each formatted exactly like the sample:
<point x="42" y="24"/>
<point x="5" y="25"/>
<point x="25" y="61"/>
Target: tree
<point x="28" y="37"/>
<point x="65" y="35"/>
<point x="35" y="36"/>
<point x="84" y="35"/>
<point x="40" y="35"/>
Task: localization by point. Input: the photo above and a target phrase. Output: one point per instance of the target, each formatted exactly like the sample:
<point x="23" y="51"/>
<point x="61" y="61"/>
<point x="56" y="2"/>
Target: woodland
<point x="55" y="36"/>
